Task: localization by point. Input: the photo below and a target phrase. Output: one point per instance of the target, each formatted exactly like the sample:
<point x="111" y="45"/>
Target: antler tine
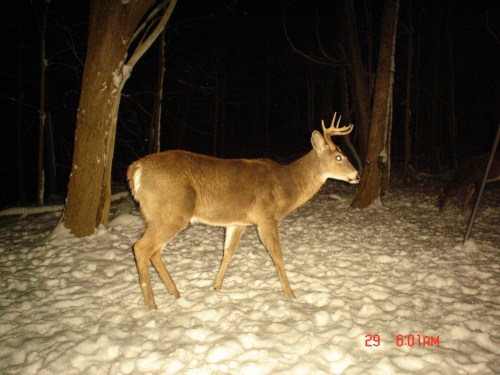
<point x="326" y="135"/>
<point x="332" y="125"/>
<point x="336" y="129"/>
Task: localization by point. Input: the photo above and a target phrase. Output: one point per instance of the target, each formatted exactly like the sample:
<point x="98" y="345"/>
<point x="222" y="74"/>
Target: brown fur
<point x="175" y="188"/>
<point x="467" y="179"/>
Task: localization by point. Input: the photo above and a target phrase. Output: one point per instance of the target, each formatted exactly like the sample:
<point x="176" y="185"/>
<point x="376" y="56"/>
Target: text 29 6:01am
<point x="409" y="340"/>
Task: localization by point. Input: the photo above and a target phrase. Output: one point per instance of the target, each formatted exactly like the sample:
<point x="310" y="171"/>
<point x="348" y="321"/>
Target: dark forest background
<point x="253" y="79"/>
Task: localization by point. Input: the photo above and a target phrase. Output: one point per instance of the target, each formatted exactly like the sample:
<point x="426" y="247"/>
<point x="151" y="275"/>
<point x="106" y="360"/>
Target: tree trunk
<point x="436" y="111"/>
<point x="215" y="125"/>
<point x="358" y="79"/>
<point x="417" y="118"/>
<point x="51" y="158"/>
<point x="386" y="167"/>
<point x="310" y="99"/>
<point x="183" y="112"/>
<point x="154" y="138"/>
<point x="222" y="109"/>
<point x="452" y="133"/>
<point x="20" y="131"/>
<point x="344" y="107"/>
<point x="409" y="72"/>
<point x="436" y="118"/>
<point x="114" y="25"/>
<point x="378" y="153"/>
<point x="42" y="115"/>
<point x="267" y="111"/>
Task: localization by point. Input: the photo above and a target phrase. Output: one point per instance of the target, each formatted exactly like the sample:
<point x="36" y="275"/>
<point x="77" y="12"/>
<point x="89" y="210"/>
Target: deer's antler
<point x="335" y="129"/>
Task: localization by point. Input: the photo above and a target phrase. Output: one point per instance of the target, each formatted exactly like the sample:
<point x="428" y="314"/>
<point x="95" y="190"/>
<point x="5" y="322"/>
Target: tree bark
<point x="358" y="79"/>
<point x="378" y="153"/>
<point x="386" y="166"/>
<point x="310" y="99"/>
<point x="267" y="112"/>
<point x="433" y="147"/>
<point x="41" y="114"/>
<point x="114" y="25"/>
<point x="51" y="174"/>
<point x="417" y="115"/>
<point x="344" y="107"/>
<point x="409" y="73"/>
<point x="154" y="139"/>
<point x="436" y="77"/>
<point x="19" y="125"/>
<point x="215" y="125"/>
<point x="452" y="132"/>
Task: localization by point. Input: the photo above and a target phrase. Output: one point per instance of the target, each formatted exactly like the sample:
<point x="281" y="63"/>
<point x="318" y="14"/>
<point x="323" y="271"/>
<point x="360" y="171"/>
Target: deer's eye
<point x="338" y="158"/>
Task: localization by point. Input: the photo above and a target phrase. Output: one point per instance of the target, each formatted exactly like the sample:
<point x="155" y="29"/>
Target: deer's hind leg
<point x="149" y="248"/>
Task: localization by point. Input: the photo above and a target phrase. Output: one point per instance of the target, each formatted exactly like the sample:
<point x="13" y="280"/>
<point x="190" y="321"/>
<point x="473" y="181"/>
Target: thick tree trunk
<point x="358" y="79"/>
<point x="378" y="152"/>
<point x="113" y="27"/>
<point x="88" y="188"/>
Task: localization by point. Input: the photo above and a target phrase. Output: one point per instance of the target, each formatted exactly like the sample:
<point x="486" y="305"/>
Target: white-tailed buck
<point x="467" y="179"/>
<point x="175" y="188"/>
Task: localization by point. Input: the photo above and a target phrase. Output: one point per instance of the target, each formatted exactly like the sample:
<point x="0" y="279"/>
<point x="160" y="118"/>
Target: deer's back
<point x="219" y="191"/>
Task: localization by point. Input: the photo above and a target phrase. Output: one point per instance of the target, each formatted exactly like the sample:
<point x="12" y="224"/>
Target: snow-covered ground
<point x="362" y="277"/>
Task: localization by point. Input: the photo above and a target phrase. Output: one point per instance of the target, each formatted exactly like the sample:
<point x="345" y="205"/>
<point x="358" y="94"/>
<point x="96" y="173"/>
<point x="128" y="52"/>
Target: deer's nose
<point x="354" y="180"/>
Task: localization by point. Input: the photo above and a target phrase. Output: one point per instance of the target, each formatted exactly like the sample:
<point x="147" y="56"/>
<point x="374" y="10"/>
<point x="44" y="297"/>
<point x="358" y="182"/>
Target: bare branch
<point x="488" y="27"/>
<point x="148" y="21"/>
<point x="144" y="45"/>
<point x="330" y="59"/>
<point x="298" y="51"/>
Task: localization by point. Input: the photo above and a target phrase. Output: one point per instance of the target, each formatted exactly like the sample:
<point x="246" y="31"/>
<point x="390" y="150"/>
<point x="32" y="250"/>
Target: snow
<point x="117" y="76"/>
<point x="362" y="277"/>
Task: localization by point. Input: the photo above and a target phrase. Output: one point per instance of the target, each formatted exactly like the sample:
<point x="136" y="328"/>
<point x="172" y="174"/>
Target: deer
<point x="176" y="188"/>
<point x="467" y="179"/>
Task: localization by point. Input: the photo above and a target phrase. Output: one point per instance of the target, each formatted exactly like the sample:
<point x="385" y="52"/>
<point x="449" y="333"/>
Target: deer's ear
<point x="317" y="141"/>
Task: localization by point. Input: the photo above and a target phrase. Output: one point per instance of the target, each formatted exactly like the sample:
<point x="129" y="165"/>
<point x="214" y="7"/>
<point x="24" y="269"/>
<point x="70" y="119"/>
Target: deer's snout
<point x="354" y="180"/>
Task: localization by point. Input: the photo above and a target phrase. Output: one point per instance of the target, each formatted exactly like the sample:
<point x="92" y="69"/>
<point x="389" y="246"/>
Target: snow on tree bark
<point x="114" y="25"/>
<point x="377" y="159"/>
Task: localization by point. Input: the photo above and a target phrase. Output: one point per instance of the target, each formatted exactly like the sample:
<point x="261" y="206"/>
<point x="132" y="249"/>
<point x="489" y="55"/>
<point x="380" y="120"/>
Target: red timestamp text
<point x="372" y="340"/>
<point x="409" y="340"/>
<point x="417" y="340"/>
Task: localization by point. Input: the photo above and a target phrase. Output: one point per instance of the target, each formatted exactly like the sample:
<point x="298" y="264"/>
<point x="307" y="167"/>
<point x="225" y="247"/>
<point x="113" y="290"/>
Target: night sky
<point x="230" y="70"/>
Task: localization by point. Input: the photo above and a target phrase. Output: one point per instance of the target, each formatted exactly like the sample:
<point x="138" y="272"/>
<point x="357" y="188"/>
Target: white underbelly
<point x="216" y="223"/>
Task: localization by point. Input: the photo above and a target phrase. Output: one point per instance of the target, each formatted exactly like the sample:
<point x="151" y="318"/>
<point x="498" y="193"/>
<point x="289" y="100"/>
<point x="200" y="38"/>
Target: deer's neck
<point x="305" y="178"/>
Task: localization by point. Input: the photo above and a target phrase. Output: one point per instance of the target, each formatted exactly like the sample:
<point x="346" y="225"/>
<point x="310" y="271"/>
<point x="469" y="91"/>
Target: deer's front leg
<point x="470" y="193"/>
<point x="269" y="235"/>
